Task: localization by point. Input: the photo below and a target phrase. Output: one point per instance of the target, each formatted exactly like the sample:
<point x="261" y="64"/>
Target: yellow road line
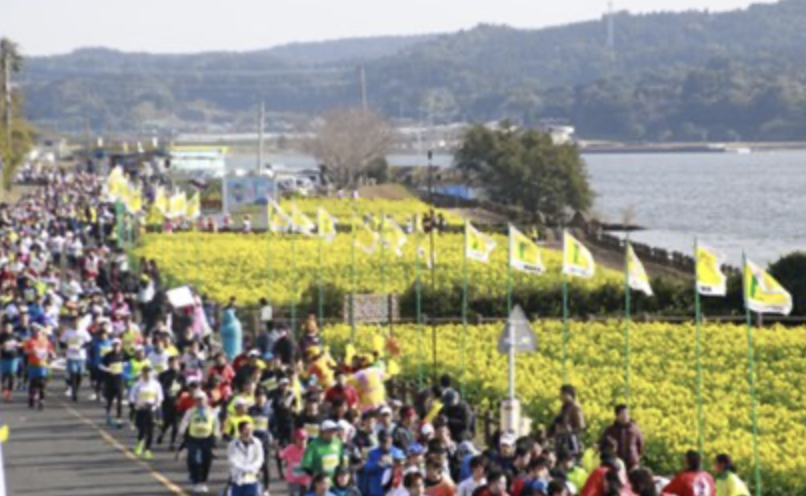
<point x="126" y="451"/>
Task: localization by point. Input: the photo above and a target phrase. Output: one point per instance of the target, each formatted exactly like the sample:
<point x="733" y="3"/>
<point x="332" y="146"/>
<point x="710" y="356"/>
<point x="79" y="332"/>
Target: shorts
<point x="76" y="366"/>
<point x="9" y="365"/>
<point x="36" y="372"/>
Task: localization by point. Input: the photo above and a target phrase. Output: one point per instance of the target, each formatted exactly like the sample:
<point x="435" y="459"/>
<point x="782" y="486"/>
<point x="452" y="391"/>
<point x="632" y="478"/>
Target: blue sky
<point x="58" y="26"/>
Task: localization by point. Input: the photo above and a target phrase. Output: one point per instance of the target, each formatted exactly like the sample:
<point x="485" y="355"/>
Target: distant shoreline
<point x="592" y="148"/>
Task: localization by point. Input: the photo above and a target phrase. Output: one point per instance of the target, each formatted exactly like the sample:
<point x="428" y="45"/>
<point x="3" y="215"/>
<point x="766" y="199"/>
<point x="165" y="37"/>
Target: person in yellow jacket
<point x="203" y="428"/>
<point x="234" y="419"/>
<point x="727" y="482"/>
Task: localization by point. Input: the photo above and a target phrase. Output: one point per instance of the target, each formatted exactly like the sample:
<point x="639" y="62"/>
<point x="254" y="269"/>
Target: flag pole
<point x="268" y="261"/>
<point x="565" y="318"/>
<point x="464" y="316"/>
<point x="383" y="266"/>
<point x="418" y="305"/>
<point x="751" y="379"/>
<point x="294" y="283"/>
<point x="352" y="278"/>
<point x="510" y="327"/>
<point x="627" y="310"/>
<point x="321" y="292"/>
<point x="698" y="324"/>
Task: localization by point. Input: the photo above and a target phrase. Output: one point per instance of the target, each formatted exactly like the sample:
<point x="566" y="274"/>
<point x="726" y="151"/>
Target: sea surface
<point x="754" y="203"/>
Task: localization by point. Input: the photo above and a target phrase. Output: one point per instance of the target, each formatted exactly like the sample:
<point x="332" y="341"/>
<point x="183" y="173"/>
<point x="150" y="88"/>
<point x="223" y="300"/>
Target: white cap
<point x="385" y="410"/>
<point x="329" y="425"/>
<point x="240" y="401"/>
<point x="201" y="396"/>
<point x="507" y="439"/>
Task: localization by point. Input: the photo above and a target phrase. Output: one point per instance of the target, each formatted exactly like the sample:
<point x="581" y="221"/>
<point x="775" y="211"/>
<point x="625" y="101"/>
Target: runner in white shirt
<point x="146" y="396"/>
<point x="76" y="341"/>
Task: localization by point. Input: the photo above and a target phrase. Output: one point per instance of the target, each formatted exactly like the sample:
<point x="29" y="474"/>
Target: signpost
<point x="517" y="337"/>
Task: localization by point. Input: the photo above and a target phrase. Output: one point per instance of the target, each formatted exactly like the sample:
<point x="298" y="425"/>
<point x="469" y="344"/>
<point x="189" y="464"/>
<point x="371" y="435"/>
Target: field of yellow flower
<point x="253" y="266"/>
<point x="663" y="385"/>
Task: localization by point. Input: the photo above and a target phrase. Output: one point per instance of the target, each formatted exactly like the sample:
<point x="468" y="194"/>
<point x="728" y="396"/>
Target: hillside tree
<point x="525" y="168"/>
<point x="349" y="141"/>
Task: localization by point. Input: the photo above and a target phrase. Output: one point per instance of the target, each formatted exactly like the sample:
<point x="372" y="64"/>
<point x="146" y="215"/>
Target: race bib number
<point x="249" y="478"/>
<point x="330" y="462"/>
<point x="41" y="354"/>
<point x="116" y="368"/>
<point x="312" y="430"/>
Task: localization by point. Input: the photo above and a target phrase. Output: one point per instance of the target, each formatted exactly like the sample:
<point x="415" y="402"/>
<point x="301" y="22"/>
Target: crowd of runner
<point x="275" y="404"/>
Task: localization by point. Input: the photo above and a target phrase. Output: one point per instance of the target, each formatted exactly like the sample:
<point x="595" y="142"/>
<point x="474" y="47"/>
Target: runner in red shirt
<point x="693" y="481"/>
<point x="38" y="351"/>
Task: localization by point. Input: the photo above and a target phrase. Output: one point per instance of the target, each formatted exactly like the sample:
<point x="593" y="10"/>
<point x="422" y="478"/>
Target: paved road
<point x="66" y="450"/>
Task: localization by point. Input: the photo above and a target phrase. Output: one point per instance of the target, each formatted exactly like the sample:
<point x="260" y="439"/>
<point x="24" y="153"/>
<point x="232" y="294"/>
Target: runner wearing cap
<point x="283" y="405"/>
<point x="146" y="397"/>
<point x="9" y="359"/>
<point x="111" y="366"/>
<point x="76" y="341"/>
<point x="38" y="351"/>
<point x="325" y="453"/>
<point x="172" y="382"/>
<point x="378" y="473"/>
<point x="261" y="416"/>
<point x="311" y="417"/>
<point x="100" y="346"/>
<point x="239" y="416"/>
<point x="291" y="457"/>
<point x="202" y="427"/>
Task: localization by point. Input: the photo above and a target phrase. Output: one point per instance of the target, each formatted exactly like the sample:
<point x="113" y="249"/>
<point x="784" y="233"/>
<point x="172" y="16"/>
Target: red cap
<point x="300" y="435"/>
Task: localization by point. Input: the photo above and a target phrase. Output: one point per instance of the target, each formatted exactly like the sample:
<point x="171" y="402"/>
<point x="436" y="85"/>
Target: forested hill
<point x="692" y="76"/>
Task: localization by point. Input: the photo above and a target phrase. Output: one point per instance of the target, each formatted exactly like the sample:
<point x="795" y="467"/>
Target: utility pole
<point x="363" y="78"/>
<point x="7" y="93"/>
<point x="261" y="123"/>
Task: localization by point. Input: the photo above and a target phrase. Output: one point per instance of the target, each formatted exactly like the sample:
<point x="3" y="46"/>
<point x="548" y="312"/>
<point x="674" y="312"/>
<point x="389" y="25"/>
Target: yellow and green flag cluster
<point x="478" y="246"/>
<point x="524" y="254"/>
<point x="577" y="259"/>
<point x="762" y="293"/>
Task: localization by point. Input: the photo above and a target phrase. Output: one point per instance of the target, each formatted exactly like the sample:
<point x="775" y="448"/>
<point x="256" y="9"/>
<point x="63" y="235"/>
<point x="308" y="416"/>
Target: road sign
<point x="524" y="336"/>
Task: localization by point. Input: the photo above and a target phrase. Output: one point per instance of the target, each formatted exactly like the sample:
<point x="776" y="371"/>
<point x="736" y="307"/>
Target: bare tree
<point x="348" y="140"/>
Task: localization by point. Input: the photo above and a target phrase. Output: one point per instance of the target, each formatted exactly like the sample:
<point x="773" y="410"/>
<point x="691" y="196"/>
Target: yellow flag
<point x="710" y="279"/>
<point x="278" y="219"/>
<point x="325" y="225"/>
<point x="301" y="222"/>
<point x="4" y="433"/>
<point x="194" y="207"/>
<point x="478" y="246"/>
<point x="115" y="183"/>
<point x="636" y="275"/>
<point x="161" y="200"/>
<point x="178" y="205"/>
<point x="364" y="237"/>
<point x="392" y="236"/>
<point x="577" y="260"/>
<point x="762" y="293"/>
<point x="524" y="254"/>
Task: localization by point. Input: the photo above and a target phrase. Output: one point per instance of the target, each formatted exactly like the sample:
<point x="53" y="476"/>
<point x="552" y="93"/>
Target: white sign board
<point x="180" y="297"/>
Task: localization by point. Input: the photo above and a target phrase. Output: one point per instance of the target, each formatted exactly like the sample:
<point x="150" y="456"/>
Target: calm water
<point x="733" y="202"/>
<point x="755" y="203"/>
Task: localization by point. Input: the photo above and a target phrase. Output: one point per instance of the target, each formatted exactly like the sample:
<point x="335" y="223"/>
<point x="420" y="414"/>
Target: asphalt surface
<point x="67" y="450"/>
